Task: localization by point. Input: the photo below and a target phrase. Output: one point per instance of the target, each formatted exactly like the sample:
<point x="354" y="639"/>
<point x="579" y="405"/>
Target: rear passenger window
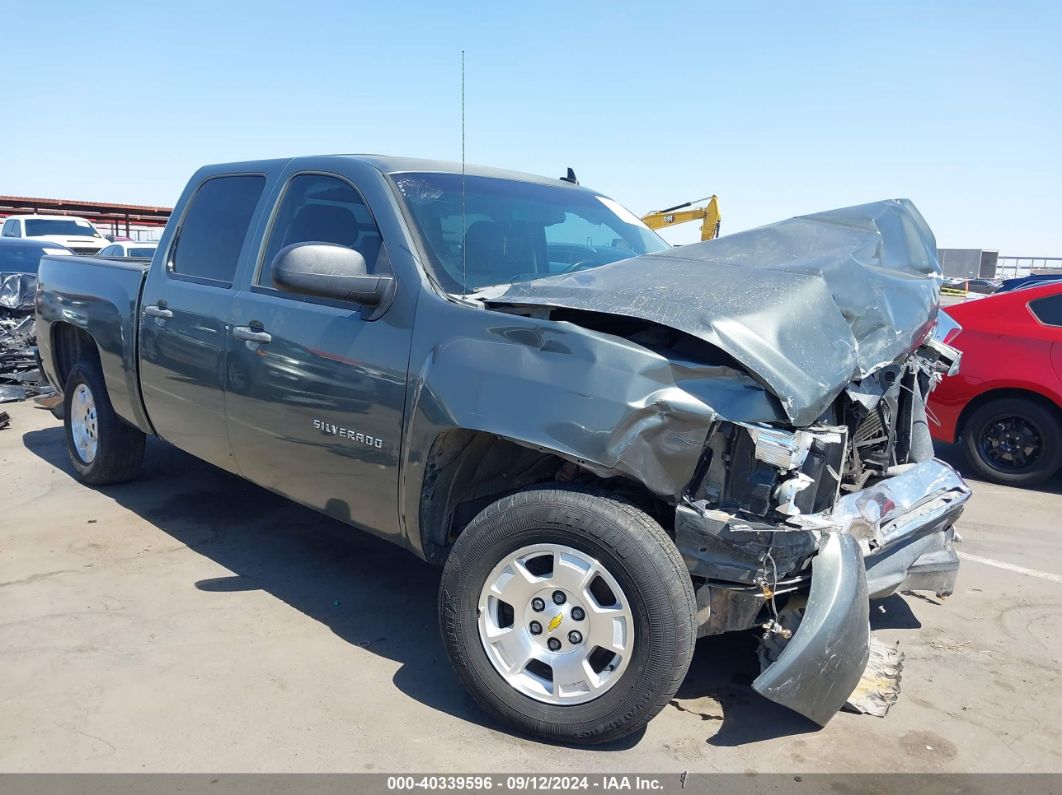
<point x="1048" y="310"/>
<point x="323" y="209"/>
<point x="214" y="228"/>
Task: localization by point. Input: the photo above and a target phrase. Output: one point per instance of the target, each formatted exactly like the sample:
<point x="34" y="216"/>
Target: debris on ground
<point x="5" y="420"/>
<point x="942" y="645"/>
<point x="20" y="374"/>
<point x="879" y="686"/>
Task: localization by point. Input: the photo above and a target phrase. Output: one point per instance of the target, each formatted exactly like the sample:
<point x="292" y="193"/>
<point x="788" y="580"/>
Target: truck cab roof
<point x="391" y="164"/>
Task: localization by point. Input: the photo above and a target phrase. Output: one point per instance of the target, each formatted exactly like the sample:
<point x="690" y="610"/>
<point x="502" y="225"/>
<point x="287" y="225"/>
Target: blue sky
<point x="779" y="108"/>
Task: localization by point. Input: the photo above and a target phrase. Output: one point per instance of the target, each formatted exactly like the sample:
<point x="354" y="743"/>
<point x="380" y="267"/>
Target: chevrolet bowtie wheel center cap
<point x="551" y="625"/>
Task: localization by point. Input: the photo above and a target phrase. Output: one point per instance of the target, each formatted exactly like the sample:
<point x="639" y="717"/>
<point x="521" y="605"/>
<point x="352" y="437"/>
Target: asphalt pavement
<point x="190" y="621"/>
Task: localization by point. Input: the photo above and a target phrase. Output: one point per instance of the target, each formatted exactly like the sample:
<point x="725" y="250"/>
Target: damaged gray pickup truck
<point x="611" y="446"/>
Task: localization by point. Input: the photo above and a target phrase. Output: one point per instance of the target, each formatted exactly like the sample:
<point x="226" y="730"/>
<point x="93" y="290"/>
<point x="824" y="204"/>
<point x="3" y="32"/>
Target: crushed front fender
<point x="822" y="663"/>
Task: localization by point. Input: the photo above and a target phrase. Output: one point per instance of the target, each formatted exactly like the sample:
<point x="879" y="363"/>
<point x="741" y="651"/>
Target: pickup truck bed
<point x="100" y="297"/>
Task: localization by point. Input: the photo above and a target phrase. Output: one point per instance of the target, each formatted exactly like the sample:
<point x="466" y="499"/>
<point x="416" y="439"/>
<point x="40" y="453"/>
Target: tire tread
<point x="630" y="533"/>
<point x="120" y="452"/>
<point x="1049" y="422"/>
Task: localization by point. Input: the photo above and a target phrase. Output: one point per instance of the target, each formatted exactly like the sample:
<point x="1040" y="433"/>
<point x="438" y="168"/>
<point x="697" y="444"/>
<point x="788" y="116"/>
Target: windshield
<point x="142" y="252"/>
<point x="35" y="227"/>
<point x="511" y="230"/>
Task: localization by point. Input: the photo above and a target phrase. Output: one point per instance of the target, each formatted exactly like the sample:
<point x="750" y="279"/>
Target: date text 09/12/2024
<point x="525" y="783"/>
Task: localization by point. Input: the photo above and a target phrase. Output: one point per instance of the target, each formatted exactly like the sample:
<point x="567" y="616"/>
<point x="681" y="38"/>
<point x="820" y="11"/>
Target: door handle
<point x="158" y="311"/>
<point x="249" y="334"/>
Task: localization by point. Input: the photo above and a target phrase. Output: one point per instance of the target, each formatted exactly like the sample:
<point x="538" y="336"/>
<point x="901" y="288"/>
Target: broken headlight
<point x="779" y="448"/>
<point x="766" y="473"/>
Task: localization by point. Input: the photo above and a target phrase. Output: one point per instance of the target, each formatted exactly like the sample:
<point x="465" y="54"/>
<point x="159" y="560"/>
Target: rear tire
<point x="551" y="528"/>
<point x="1014" y="441"/>
<point x="103" y="449"/>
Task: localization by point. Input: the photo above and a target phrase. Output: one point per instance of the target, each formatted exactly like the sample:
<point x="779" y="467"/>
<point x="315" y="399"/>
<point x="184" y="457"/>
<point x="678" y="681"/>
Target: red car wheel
<point x="1014" y="441"/>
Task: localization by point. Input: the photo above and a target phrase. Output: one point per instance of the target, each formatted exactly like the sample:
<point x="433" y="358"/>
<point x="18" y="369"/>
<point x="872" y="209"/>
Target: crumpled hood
<point x="806" y="305"/>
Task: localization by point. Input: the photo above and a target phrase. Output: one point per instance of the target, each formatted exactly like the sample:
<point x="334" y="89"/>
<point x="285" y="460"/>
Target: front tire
<point x="102" y="448"/>
<point x="568" y="614"/>
<point x="1014" y="441"/>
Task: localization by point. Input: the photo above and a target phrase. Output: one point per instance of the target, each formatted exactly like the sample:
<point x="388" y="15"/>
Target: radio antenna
<point x="464" y="229"/>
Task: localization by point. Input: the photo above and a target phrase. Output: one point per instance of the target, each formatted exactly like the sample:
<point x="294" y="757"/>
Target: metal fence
<point x="1009" y="267"/>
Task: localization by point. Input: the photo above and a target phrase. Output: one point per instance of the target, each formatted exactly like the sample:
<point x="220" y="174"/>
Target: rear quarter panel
<point x="100" y="297"/>
<point x="1003" y="347"/>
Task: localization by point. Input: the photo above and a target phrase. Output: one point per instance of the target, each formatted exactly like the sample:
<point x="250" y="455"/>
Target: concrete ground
<point x="190" y="621"/>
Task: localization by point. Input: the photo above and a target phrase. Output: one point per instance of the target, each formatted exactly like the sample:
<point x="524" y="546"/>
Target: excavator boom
<point x="708" y="215"/>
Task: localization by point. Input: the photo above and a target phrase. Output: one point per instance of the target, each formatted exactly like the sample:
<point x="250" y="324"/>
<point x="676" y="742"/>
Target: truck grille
<point x="88" y="251"/>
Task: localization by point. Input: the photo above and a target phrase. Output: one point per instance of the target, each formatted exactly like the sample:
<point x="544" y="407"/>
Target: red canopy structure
<point x="115" y="216"/>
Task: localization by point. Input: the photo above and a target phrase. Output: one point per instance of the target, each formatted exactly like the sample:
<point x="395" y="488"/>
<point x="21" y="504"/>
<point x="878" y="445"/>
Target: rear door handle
<point x="158" y="311"/>
<point x="249" y="334"/>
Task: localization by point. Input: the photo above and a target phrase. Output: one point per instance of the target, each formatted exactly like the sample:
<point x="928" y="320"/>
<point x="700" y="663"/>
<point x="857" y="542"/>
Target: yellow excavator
<point x="707" y="214"/>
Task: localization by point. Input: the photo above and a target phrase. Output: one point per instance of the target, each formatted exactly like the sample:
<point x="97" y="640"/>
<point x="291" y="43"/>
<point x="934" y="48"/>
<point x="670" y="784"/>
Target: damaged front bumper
<point x="894" y="535"/>
<point x="904" y="527"/>
<point x="824" y="660"/>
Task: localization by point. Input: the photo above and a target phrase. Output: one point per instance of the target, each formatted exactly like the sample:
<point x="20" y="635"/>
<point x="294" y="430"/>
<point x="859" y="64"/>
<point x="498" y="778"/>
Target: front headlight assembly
<point x="766" y="473"/>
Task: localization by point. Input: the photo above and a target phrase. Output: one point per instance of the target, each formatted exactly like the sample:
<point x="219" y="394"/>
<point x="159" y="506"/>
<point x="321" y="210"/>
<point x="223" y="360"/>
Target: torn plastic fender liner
<point x="822" y="663"/>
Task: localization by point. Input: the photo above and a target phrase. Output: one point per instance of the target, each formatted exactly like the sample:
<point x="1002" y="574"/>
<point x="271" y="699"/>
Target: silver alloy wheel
<point x="555" y="624"/>
<point x="83" y="426"/>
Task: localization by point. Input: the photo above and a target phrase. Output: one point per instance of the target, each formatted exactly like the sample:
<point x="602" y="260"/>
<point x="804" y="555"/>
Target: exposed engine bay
<point x="855" y="503"/>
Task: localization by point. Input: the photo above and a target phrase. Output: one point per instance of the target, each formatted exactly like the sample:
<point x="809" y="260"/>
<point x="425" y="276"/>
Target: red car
<point x="1005" y="405"/>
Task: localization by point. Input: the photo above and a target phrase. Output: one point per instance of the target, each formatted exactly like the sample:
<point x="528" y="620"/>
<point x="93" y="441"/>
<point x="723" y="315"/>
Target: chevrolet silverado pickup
<point x="611" y="446"/>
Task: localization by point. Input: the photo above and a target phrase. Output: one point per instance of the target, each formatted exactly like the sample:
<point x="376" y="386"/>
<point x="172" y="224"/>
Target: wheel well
<point x="70" y="345"/>
<point x="468" y="470"/>
<point x="999" y="394"/>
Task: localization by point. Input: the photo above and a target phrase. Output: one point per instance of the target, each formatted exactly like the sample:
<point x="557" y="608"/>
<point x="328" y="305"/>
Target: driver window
<point x="322" y="209"/>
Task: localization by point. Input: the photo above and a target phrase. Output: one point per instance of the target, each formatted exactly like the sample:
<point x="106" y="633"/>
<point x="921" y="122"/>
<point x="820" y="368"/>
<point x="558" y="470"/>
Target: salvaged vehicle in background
<point x="1005" y="406"/>
<point x="611" y="446"/>
<point x="130" y="248"/>
<point x="1032" y="280"/>
<point x="19" y="259"/>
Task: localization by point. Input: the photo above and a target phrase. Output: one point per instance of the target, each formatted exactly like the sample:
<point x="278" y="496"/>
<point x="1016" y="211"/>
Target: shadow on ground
<point x="367" y="591"/>
<point x="953" y="454"/>
<point x="722" y="671"/>
<point x="374" y="595"/>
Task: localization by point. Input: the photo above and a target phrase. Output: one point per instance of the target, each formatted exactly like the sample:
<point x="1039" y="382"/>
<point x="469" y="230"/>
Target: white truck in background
<point x="77" y="234"/>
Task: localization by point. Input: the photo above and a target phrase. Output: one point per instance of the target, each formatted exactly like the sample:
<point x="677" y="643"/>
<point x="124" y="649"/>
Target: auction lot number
<point x="521" y="783"/>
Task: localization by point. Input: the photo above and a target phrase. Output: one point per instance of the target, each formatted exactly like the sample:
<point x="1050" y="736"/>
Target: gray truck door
<point x="315" y="405"/>
<point x="186" y="313"/>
